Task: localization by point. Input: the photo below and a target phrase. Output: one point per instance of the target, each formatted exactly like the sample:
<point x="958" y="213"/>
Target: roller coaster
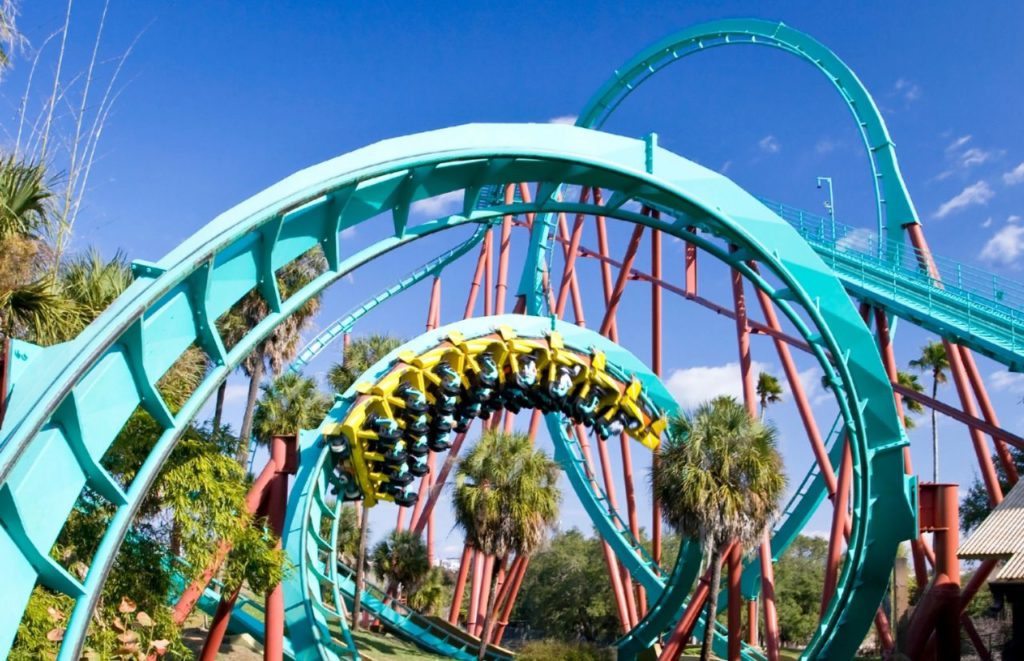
<point x="823" y="290"/>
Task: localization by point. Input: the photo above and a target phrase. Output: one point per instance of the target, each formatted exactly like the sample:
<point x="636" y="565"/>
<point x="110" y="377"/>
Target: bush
<point x="558" y="650"/>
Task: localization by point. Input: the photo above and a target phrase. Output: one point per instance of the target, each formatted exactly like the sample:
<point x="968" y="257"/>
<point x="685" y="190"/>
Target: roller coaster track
<point x="66" y="410"/>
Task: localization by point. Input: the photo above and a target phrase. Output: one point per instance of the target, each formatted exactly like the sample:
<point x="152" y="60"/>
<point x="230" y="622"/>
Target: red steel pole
<point x="690" y="257"/>
<point x="981" y="393"/>
<point x="477" y="582"/>
<point x="750" y="400"/>
<point x="503" y="252"/>
<point x="489" y="274"/>
<point x="569" y="281"/>
<point x="460" y="586"/>
<point x="618" y="590"/>
<point x="474" y="286"/>
<point x="219" y="626"/>
<point x="835" y="539"/>
<point x="684" y="627"/>
<point x="735" y="625"/>
<point x="613" y="299"/>
<point x="889" y="359"/>
<point x="515" y="580"/>
<point x="771" y="617"/>
<point x="485" y="594"/>
<point x="656" y="368"/>
<point x="606" y="270"/>
<point x="277" y="503"/>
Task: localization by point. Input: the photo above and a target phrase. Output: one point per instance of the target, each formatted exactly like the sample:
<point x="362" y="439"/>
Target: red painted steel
<point x="889" y="359"/>
<point x="981" y="393"/>
<point x="937" y="615"/>
<point x="656" y="368"/>
<point x="460" y="586"/>
<point x="771" y="617"/>
<point x="835" y="539"/>
<point x="690" y="263"/>
<point x="735" y="598"/>
<point x="686" y="624"/>
<point x="516" y="583"/>
<point x="503" y="251"/>
<point x="606" y="271"/>
<point x="218" y="627"/>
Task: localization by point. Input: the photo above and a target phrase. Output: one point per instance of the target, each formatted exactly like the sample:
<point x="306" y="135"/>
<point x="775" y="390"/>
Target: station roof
<point x="1001" y="536"/>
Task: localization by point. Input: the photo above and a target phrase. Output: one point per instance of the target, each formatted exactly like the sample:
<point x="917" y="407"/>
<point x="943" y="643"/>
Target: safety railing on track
<point x="971" y="299"/>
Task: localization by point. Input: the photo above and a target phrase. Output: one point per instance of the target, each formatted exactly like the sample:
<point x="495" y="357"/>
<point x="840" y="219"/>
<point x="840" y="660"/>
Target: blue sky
<point x="218" y="100"/>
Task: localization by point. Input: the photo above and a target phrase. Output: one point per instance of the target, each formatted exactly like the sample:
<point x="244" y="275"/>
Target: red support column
<point x="956" y="368"/>
<point x="889" y="359"/>
<point x="569" y="280"/>
<point x="516" y="582"/>
<point x="283" y="454"/>
<point x="473" y="617"/>
<point x="771" y="617"/>
<point x="735" y="625"/>
<point x="489" y="274"/>
<point x="684" y="627"/>
<point x="503" y="252"/>
<point x="474" y="286"/>
<point x="656" y="368"/>
<point x="981" y="393"/>
<point x="460" y="586"/>
<point x="606" y="269"/>
<point x="835" y="539"/>
<point x="618" y="591"/>
<point x="218" y="626"/>
<point x="615" y="297"/>
<point x="750" y="400"/>
<point x="691" y="267"/>
<point x="485" y="594"/>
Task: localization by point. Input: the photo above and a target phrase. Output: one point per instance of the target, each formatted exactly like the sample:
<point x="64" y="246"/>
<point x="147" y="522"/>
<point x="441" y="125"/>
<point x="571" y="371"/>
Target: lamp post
<point x="830" y="205"/>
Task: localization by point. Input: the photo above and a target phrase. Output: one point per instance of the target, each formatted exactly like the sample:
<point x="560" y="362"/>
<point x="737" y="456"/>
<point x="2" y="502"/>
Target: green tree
<point x="401" y="558"/>
<point x="282" y="344"/>
<point x="769" y="391"/>
<point x="910" y="406"/>
<point x="431" y="594"/>
<point x="799" y="574"/>
<point x="975" y="505"/>
<point x="506" y="498"/>
<point x="289" y="403"/>
<point x="566" y="592"/>
<point x="358" y="357"/>
<point x="719" y="478"/>
<point x="933" y="359"/>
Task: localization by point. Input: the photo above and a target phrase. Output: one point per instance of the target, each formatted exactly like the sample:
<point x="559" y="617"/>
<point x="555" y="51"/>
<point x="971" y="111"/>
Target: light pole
<point x="830" y="206"/>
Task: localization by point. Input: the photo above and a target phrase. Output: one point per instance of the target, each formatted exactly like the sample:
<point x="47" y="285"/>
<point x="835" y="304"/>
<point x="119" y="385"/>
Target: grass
<point x="379" y="647"/>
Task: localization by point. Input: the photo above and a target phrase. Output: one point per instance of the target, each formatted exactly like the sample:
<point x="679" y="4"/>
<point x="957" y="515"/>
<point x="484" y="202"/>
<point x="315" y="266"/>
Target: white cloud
<point x="1005" y="246"/>
<point x="909" y="90"/>
<point x="826" y="146"/>
<point x="694" y="385"/>
<point x="1014" y="176"/>
<point x="439" y="205"/>
<point x="975" y="194"/>
<point x="974" y="156"/>
<point x="987" y="222"/>
<point x="725" y="167"/>
<point x="564" y="119"/>
<point x="958" y="143"/>
<point x="859" y="239"/>
<point x="769" y="144"/>
<point x="1005" y="381"/>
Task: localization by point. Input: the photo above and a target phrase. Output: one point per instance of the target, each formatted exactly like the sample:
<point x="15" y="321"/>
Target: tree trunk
<point x="935" y="434"/>
<point x="709" y="622"/>
<point x="218" y="409"/>
<point x="488" y="625"/>
<point x="358" y="597"/>
<point x="250" y="406"/>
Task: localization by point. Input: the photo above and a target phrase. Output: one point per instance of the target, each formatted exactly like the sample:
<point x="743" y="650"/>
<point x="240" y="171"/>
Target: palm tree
<point x="933" y="359"/>
<point x="506" y="498"/>
<point x="429" y="596"/>
<point x="769" y="390"/>
<point x="289" y="403"/>
<point x="358" y="357"/>
<point x="719" y="480"/>
<point x="910" y="381"/>
<point x="281" y="346"/>
<point x="401" y="558"/>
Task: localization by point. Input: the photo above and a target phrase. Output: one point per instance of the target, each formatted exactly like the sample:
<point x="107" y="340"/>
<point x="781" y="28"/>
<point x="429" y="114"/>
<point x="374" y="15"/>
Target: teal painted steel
<point x="346" y="322"/>
<point x="111" y="368"/>
<point x="895" y="209"/>
<point x="977" y="309"/>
